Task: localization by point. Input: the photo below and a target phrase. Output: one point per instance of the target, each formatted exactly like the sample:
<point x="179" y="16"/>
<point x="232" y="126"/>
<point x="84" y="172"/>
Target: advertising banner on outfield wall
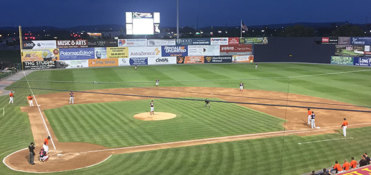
<point x="102" y="43"/>
<point x="40" y="55"/>
<point x="117" y="52"/>
<point x="253" y="40"/>
<point x="218" y="59"/>
<point x="203" y="50"/>
<point x="132" y="43"/>
<point x="344" y="41"/>
<point x="170" y="51"/>
<point x="243" y="58"/>
<point x="349" y="50"/>
<point x="40" y="44"/>
<point x="330" y="40"/>
<point x="124" y="61"/>
<point x="161" y="42"/>
<point x="233" y="40"/>
<point x="180" y="60"/>
<point x="193" y="41"/>
<point x="76" y="53"/>
<point x="72" y="43"/>
<point x="241" y="49"/>
<point x="138" y="61"/>
<point x="39" y="64"/>
<point x="361" y="40"/>
<point x="342" y="60"/>
<point x="71" y="64"/>
<point x="109" y="62"/>
<point x="219" y="41"/>
<point x="145" y="52"/>
<point x="161" y="60"/>
<point x="367" y="50"/>
<point x="361" y="61"/>
<point x="194" y="60"/>
<point x="100" y="52"/>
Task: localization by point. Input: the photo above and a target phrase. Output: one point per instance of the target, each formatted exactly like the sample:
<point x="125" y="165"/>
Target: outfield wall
<point x="48" y="54"/>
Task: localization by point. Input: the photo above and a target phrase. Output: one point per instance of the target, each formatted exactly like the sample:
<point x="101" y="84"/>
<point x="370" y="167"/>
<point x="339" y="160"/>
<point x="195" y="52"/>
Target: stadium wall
<point x="290" y="49"/>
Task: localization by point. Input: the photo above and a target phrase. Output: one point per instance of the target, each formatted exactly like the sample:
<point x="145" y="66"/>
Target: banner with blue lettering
<point x="169" y="51"/>
<point x="76" y="53"/>
<point x="138" y="61"/>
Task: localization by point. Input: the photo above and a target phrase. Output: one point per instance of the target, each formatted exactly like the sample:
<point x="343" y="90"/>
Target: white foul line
<point x="325" y="140"/>
<point x="41" y="115"/>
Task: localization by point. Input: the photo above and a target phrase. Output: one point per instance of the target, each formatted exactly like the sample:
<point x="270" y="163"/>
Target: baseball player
<point x="241" y="86"/>
<point x="309" y="116"/>
<point x="256" y="66"/>
<point x="313" y="121"/>
<point x="152" y="108"/>
<point x="11" y="97"/>
<point x="207" y="103"/>
<point x="72" y="98"/>
<point x="344" y="125"/>
<point x="30" y="100"/>
<point x="157" y="83"/>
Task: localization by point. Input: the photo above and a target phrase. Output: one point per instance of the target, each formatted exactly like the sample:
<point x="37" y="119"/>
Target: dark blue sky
<point x="68" y="13"/>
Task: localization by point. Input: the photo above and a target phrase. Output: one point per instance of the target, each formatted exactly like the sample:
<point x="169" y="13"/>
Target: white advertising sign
<point x="161" y="60"/>
<point x="144" y="51"/>
<point x="203" y="50"/>
<point x="132" y="42"/>
<point x="161" y="42"/>
<point x="40" y="44"/>
<point x="124" y="61"/>
<point x="70" y="64"/>
<point x="219" y="41"/>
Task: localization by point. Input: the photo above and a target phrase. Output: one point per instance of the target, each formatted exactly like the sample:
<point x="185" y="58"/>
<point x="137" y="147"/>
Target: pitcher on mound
<point x="152" y="108"/>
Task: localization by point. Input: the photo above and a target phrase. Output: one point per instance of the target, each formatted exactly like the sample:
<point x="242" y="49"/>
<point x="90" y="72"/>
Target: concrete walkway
<point x="7" y="81"/>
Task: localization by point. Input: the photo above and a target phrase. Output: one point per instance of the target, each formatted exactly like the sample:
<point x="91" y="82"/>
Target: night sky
<point x="194" y="13"/>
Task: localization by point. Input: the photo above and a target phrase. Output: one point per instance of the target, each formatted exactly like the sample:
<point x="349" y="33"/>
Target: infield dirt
<point x="79" y="155"/>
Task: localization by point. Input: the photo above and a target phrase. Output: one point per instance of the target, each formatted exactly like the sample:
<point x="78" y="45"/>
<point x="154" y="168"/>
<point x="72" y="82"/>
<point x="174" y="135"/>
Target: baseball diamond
<point x="240" y="133"/>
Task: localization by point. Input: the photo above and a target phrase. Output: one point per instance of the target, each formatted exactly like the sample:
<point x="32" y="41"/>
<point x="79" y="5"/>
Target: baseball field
<point x="260" y="130"/>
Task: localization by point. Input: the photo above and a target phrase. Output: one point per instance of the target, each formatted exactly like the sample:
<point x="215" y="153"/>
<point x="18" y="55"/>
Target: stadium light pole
<point x="177" y="19"/>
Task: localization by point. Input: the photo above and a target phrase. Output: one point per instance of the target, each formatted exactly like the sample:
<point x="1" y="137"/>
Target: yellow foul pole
<point x="20" y="43"/>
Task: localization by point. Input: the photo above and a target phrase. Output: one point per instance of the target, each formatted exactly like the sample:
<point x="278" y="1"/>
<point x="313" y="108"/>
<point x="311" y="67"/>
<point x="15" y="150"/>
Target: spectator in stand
<point x="363" y="161"/>
<point x="313" y="173"/>
<point x="336" y="168"/>
<point x="346" y="165"/>
<point x="367" y="158"/>
<point x="325" y="172"/>
<point x="353" y="163"/>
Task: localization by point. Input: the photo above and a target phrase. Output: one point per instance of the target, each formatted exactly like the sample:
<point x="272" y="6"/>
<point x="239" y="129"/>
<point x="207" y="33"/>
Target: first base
<point x="318" y="127"/>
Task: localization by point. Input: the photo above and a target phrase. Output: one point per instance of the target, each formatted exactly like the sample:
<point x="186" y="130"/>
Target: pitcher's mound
<point x="158" y="116"/>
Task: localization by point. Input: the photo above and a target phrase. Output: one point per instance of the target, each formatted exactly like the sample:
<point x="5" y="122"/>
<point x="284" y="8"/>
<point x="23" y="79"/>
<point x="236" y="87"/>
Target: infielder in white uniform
<point x="72" y="98"/>
<point x="309" y="116"/>
<point x="157" y="83"/>
<point x="241" y="86"/>
<point x="11" y="97"/>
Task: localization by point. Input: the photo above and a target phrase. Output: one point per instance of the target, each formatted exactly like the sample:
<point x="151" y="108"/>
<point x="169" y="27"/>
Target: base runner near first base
<point x="313" y="120"/>
<point x="152" y="108"/>
<point x="344" y="126"/>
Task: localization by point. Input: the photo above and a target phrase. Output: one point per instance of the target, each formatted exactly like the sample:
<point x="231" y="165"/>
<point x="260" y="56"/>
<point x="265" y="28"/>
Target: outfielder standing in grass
<point x="11" y="97"/>
<point x="157" y="83"/>
<point x="30" y="100"/>
<point x="344" y="125"/>
<point x="72" y="98"/>
<point x="152" y="108"/>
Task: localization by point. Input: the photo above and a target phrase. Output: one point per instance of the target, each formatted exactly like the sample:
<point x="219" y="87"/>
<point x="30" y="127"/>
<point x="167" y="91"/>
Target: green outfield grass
<point x="306" y="79"/>
<point x="280" y="155"/>
<point x="112" y="124"/>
